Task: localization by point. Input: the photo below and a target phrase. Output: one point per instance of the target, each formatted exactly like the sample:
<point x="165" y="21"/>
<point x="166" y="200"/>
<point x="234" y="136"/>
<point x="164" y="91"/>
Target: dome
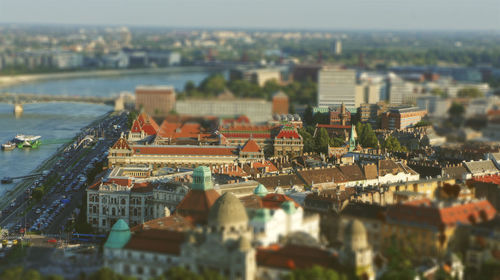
<point x="355" y="235"/>
<point x="355" y="227"/>
<point x="202" y="178"/>
<point x="119" y="235"/>
<point x="289" y="207"/>
<point x="227" y="210"/>
<point x="260" y="190"/>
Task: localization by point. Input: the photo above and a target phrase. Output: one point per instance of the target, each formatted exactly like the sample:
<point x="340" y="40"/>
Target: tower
<point x="356" y="252"/>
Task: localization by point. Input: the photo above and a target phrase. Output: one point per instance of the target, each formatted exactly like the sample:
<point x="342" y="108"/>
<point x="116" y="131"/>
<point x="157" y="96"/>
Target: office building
<point x="337" y="86"/>
<point x="401" y="118"/>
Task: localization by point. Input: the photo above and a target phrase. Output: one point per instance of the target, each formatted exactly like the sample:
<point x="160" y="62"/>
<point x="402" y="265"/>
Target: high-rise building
<point x="338" y="47"/>
<point x="337" y="86"/>
<point x="155" y="100"/>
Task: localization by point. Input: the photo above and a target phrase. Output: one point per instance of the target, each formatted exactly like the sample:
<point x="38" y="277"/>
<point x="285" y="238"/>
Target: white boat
<point x="29" y="138"/>
<point x="9" y="146"/>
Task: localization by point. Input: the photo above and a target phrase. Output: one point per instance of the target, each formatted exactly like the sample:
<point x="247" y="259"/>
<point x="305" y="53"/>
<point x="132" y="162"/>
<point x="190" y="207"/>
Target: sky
<point x="268" y="14"/>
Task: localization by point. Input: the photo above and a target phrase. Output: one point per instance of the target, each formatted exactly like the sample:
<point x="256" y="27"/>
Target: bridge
<point x="8" y="180"/>
<point x="18" y="99"/>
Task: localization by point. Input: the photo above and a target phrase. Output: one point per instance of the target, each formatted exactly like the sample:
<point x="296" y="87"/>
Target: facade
<point x="118" y="198"/>
<point x="288" y="142"/>
<point x="121" y="154"/>
<point x="399" y="89"/>
<point x="337" y="86"/>
<point x="166" y="197"/>
<point x="258" y="110"/>
<point x="429" y="225"/>
<point x="434" y="105"/>
<point x="356" y="251"/>
<point x="257" y="76"/>
<point x="371" y="112"/>
<point x="368" y="93"/>
<point x="401" y="118"/>
<point x="280" y="103"/>
<point x="340" y="116"/>
<point x="155" y="100"/>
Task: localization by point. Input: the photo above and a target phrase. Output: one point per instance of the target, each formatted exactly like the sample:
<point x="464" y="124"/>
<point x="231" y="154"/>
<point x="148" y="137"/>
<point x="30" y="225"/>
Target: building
<point x="143" y="128"/>
<point x="337" y="86"/>
<point x="435" y="106"/>
<point x="117" y="198"/>
<point x="257" y="76"/>
<point x="371" y="112"/>
<point x="280" y="103"/>
<point x="400" y="91"/>
<point x="401" y="118"/>
<point x="368" y="93"/>
<point x="122" y="153"/>
<point x="257" y="110"/>
<point x="166" y="197"/>
<point x="488" y="187"/>
<point x="429" y="225"/>
<point x="288" y="142"/>
<point x="155" y="100"/>
<point x="340" y="116"/>
<point x="356" y="251"/>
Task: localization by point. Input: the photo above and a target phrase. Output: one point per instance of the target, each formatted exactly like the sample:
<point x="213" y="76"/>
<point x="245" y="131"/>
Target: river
<point x="59" y="122"/>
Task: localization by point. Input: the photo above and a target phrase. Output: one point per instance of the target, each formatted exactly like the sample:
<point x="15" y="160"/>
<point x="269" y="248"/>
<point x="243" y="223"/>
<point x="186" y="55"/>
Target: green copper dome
<point x="289" y="207"/>
<point x="260" y="190"/>
<point x="119" y="235"/>
<point x="202" y="178"/>
<point x="262" y="215"/>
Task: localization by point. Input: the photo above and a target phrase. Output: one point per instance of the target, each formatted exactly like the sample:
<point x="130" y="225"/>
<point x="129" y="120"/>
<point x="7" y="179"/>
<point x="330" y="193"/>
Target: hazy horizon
<point x="402" y="15"/>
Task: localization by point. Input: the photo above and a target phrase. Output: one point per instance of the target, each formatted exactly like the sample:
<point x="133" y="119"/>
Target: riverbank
<point x="8" y="81"/>
<point x="48" y="164"/>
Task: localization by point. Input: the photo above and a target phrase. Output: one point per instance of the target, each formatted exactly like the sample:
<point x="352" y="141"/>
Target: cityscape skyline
<point x="444" y="15"/>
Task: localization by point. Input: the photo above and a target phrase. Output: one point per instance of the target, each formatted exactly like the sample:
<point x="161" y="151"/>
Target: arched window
<point x="113" y="211"/>
<point x="123" y="200"/>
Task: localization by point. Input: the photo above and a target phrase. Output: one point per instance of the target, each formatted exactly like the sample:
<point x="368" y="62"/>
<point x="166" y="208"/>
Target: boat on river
<point x="9" y="146"/>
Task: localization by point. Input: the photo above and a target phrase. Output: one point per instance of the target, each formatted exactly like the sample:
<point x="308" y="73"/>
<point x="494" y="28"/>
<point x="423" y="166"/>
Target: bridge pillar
<point x="18" y="109"/>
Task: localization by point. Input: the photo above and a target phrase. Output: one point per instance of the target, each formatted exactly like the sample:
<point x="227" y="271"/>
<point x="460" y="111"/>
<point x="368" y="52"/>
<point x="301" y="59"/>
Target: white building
<point x="337" y="86"/>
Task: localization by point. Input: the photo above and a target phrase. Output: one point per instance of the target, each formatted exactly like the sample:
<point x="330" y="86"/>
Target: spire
<point x="352" y="141"/>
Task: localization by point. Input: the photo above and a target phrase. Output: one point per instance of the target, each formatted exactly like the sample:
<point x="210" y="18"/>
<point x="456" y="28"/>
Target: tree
<point x="471" y="92"/>
<point x="337" y="142"/>
<point x="399" y="266"/>
<point x="213" y="84"/>
<point x="190" y="86"/>
<point x="108" y="274"/>
<point x="456" y="112"/>
<point x="391" y="144"/>
<point x="321" y="141"/>
<point x="366" y="136"/>
<point x="307" y="139"/>
<point x="315" y="272"/>
<point x="308" y="115"/>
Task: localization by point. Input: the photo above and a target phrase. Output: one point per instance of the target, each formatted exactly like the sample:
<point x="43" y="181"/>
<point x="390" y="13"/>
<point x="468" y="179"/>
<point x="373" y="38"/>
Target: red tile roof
<point x="294" y="256"/>
<point x="275" y="200"/>
<point x="156" y="240"/>
<point x="488" y="179"/>
<point x="288" y="132"/>
<point x="121" y="144"/>
<point x="423" y="212"/>
<point x="333" y="126"/>
<point x="179" y="130"/>
<point x="184" y="150"/>
<point x="251" y="147"/>
<point x="196" y="205"/>
<point x="246" y="135"/>
<point x="146" y="124"/>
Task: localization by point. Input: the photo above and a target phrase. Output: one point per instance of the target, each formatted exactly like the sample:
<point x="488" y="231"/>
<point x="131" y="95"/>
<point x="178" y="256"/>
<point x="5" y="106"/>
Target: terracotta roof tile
<point x="251" y="147"/>
<point x="196" y="204"/>
<point x="184" y="150"/>
<point x="294" y="256"/>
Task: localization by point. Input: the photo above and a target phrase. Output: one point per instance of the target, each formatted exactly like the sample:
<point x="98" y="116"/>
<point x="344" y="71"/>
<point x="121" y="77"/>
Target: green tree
<point x="308" y="140"/>
<point x="213" y="85"/>
<point x="190" y="86"/>
<point x="456" y="113"/>
<point x="366" y="135"/>
<point x="308" y="115"/>
<point x="316" y="272"/>
<point x="471" y="92"/>
<point x="321" y="141"/>
<point x="399" y="266"/>
<point x="391" y="144"/>
<point x="108" y="274"/>
<point x="337" y="142"/>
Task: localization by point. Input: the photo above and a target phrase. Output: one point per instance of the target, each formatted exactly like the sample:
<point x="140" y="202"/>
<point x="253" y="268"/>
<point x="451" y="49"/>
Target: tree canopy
<point x="471" y="92"/>
<point x="366" y="135"/>
<point x="316" y="272"/>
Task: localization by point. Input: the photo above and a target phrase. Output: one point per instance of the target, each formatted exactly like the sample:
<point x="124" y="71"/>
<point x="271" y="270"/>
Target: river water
<point x="59" y="122"/>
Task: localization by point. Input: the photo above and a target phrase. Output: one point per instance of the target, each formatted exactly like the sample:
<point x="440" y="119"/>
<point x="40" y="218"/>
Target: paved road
<point x="60" y="202"/>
